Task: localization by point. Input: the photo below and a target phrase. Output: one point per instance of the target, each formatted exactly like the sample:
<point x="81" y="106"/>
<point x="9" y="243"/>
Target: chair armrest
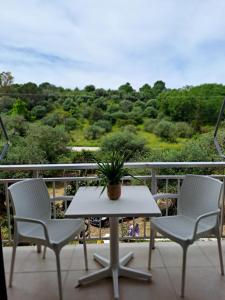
<point x="206" y="215"/>
<point x="64" y="198"/>
<point x="36" y="221"/>
<point x="165" y="196"/>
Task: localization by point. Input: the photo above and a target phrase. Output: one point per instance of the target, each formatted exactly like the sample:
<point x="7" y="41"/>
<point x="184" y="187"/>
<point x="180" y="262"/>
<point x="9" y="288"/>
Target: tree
<point x="158" y="87"/>
<point x="89" y="88"/>
<point x="125" y="142"/>
<point x="146" y="91"/>
<point x="19" y="108"/>
<point x="51" y="141"/>
<point x="93" y="132"/>
<point x="39" y="111"/>
<point x="104" y="124"/>
<point x="70" y="123"/>
<point x="6" y="79"/>
<point x="126" y="88"/>
<point x="126" y="105"/>
<point x="53" y="119"/>
<point x="166" y="130"/>
<point x="6" y="103"/>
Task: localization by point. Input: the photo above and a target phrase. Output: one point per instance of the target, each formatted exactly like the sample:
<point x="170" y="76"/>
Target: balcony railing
<point x="157" y="183"/>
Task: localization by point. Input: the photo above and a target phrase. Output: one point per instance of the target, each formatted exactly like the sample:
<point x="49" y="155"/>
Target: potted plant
<point x="111" y="173"/>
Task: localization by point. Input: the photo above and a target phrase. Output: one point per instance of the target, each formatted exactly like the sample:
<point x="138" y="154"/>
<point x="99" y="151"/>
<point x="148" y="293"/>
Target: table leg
<point x="114" y="267"/>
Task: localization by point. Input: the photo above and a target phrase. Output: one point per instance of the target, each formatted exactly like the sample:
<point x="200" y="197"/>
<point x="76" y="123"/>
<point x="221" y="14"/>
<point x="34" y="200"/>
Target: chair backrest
<point x="199" y="195"/>
<point x="30" y="199"/>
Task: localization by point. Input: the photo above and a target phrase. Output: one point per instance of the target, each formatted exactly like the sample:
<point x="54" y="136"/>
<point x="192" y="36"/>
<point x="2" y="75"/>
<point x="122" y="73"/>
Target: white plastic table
<point x="134" y="201"/>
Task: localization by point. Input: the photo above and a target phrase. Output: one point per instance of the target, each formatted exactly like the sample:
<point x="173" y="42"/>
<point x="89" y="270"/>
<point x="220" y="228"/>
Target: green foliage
<point x="149" y="124"/>
<point x="126" y="106"/>
<point x="53" y="119"/>
<point x="50" y="141"/>
<point x="19" y="108"/>
<point x="90" y="88"/>
<point x="199" y="105"/>
<point x="112" y="171"/>
<point x="6" y="103"/>
<point x="70" y="124"/>
<point x="104" y="124"/>
<point x="126" y="88"/>
<point x="130" y="128"/>
<point x="83" y="157"/>
<point x="158" y="87"/>
<point x="125" y="143"/>
<point x="166" y="130"/>
<point x="186" y="111"/>
<point x="16" y="125"/>
<point x="150" y="112"/>
<point x="39" y="111"/>
<point x="93" y="132"/>
<point x="184" y="130"/>
<point x="146" y="91"/>
<point x="68" y="104"/>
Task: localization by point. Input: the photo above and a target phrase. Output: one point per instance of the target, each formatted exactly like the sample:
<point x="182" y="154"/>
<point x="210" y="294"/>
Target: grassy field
<point x="78" y="139"/>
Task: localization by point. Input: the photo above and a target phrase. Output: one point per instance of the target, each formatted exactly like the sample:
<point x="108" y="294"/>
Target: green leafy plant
<point x="112" y="171"/>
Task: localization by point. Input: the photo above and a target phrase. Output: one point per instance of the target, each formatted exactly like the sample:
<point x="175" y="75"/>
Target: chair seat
<point x="179" y="227"/>
<point x="59" y="230"/>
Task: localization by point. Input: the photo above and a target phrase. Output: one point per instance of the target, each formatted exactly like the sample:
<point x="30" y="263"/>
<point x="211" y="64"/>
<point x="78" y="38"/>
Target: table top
<point x="134" y="201"/>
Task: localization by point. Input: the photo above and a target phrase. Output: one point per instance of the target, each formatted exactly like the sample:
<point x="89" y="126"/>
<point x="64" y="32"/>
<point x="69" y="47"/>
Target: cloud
<point x="107" y="43"/>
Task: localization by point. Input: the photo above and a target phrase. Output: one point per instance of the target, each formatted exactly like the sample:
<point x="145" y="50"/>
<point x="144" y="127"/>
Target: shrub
<point x="39" y="111"/>
<point x="125" y="142"/>
<point x="104" y="124"/>
<point x="68" y="104"/>
<point x="149" y="125"/>
<point x="126" y="105"/>
<point x="150" y="112"/>
<point x="166" y="130"/>
<point x="70" y="124"/>
<point x="130" y="128"/>
<point x="93" y="132"/>
<point x="184" y="130"/>
<point x="52" y="119"/>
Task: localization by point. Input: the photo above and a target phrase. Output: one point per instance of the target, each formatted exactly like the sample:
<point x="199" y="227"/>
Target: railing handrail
<point x="93" y="166"/>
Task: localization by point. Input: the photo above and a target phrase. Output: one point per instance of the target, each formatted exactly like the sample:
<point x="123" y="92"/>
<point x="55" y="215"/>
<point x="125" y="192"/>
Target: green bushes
<point x="166" y="130"/>
<point x="184" y="130"/>
<point x="149" y="125"/>
<point x="93" y="132"/>
<point x="104" y="124"/>
<point x="125" y="142"/>
<point x="70" y="123"/>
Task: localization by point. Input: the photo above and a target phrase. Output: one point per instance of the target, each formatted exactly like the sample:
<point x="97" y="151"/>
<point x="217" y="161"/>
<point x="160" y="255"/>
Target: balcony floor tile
<point x="36" y="278"/>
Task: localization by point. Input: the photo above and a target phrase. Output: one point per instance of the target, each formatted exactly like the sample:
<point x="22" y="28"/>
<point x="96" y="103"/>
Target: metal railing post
<point x="153" y="191"/>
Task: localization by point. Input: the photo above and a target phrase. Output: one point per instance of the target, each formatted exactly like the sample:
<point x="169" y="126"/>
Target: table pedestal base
<point x="114" y="272"/>
<point x="114" y="267"/>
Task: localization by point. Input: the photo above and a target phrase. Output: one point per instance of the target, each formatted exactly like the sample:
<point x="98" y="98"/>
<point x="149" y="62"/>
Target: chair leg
<point x="85" y="251"/>
<point x="12" y="263"/>
<point x="44" y="252"/>
<point x="183" y="270"/>
<point x="151" y="246"/>
<point x="38" y="248"/>
<point x="220" y="251"/>
<point x="57" y="253"/>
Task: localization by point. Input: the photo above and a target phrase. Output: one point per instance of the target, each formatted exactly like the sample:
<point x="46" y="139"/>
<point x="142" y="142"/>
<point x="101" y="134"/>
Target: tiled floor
<point x="36" y="278"/>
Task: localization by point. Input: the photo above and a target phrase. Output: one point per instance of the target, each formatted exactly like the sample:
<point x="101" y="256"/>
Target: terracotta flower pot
<point x="114" y="191"/>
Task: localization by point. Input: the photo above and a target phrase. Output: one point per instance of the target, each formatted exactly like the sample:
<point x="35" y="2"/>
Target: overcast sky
<point x="110" y="42"/>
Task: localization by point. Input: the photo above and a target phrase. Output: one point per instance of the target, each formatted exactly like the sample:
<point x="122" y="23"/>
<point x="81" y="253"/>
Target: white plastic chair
<point x="198" y="216"/>
<point x="33" y="223"/>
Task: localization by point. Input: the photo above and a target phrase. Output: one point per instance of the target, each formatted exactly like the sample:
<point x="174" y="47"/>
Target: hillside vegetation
<point x="153" y="123"/>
